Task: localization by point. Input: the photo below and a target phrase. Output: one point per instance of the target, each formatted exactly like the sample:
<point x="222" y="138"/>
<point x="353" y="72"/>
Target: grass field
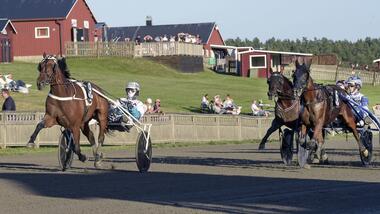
<point x="178" y="92"/>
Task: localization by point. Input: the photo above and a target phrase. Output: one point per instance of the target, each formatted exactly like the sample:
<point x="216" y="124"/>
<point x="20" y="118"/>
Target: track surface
<point x="198" y="179"/>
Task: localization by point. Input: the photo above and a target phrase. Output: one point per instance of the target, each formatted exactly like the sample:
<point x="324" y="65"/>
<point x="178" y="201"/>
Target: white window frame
<point x="41" y="37"/>
<point x="256" y="56"/>
<point x="86" y="24"/>
<point x="74" y="23"/>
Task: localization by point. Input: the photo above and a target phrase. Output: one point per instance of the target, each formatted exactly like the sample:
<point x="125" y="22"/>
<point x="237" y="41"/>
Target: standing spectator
<point x="199" y="40"/>
<point x="282" y="69"/>
<point x="157" y="106"/>
<point x="138" y="40"/>
<point x="9" y="103"/>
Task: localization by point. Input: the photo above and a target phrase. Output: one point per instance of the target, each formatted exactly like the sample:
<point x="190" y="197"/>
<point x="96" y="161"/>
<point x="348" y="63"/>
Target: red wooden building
<point x="46" y="25"/>
<point x="7" y="32"/>
<point x="257" y="63"/>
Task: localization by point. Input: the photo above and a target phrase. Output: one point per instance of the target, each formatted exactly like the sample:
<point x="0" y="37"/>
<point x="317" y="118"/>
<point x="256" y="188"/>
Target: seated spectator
<point x="198" y="39"/>
<point x="157" y="106"/>
<point x="148" y="38"/>
<point x="218" y="105"/>
<point x="18" y="86"/>
<point x="172" y="39"/>
<point x="256" y="111"/>
<point x="376" y="109"/>
<point x="2" y="82"/>
<point x="149" y="106"/>
<point x="165" y="38"/>
<point x="205" y="105"/>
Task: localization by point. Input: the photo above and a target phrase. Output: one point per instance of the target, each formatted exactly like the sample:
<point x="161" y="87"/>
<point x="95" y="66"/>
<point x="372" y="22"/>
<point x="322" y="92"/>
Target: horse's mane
<point x="64" y="68"/>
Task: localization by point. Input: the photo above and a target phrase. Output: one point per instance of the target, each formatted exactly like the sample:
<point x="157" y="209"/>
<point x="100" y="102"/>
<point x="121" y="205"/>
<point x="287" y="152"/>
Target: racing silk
<point x="134" y="106"/>
<point x="360" y="99"/>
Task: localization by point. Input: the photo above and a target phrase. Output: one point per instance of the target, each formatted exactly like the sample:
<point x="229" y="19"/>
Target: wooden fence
<point x="129" y="49"/>
<point x="16" y="128"/>
<point x="334" y="73"/>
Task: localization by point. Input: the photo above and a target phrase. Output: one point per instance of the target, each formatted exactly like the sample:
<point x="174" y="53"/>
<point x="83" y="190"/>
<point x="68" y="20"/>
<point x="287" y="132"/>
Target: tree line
<point x="362" y="51"/>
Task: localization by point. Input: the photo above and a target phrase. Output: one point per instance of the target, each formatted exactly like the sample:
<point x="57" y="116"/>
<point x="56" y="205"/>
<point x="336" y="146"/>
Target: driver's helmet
<point x="132" y="89"/>
<point x="355" y="81"/>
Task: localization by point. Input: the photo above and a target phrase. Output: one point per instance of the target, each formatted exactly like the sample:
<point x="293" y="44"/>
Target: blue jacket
<point x="9" y="104"/>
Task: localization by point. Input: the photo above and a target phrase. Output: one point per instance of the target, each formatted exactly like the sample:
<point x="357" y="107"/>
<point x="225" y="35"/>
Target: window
<point x="42" y="32"/>
<point x="86" y="24"/>
<point x="258" y="61"/>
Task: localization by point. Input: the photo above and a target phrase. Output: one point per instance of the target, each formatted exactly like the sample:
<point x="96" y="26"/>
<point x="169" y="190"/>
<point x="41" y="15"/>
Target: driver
<point x="134" y="106"/>
<point x="354" y="84"/>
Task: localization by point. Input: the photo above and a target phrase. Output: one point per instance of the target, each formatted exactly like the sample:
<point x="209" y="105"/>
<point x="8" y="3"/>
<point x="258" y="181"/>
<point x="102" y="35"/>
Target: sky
<point x="281" y="19"/>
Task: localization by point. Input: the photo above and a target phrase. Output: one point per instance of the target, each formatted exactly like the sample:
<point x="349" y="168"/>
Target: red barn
<point x="7" y="32"/>
<point x="257" y="63"/>
<point x="46" y="25"/>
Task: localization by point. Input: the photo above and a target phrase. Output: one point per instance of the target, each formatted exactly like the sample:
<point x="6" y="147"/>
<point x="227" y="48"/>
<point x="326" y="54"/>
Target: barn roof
<point x="202" y="29"/>
<point x="4" y="22"/>
<point x="36" y="9"/>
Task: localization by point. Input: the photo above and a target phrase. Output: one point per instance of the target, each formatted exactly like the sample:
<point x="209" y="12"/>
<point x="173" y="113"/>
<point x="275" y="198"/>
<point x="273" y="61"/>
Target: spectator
<point x="218" y="105"/>
<point x="376" y="109"/>
<point x="9" y="103"/>
<point x="149" y="106"/>
<point x="157" y="106"/>
<point x="198" y="39"/>
<point x="2" y="82"/>
<point x="165" y="38"/>
<point x="228" y="103"/>
<point x="282" y="69"/>
<point x="205" y="104"/>
<point x="138" y="40"/>
<point x="256" y="111"/>
<point x="172" y="39"/>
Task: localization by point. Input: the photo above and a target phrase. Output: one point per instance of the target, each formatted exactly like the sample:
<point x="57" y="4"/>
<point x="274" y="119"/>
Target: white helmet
<point x="355" y="81"/>
<point x="132" y="89"/>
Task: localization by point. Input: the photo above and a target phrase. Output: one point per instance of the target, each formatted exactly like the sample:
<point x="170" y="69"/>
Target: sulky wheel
<point x="143" y="152"/>
<point x="286" y="148"/>
<point x="366" y="139"/>
<point x="65" y="151"/>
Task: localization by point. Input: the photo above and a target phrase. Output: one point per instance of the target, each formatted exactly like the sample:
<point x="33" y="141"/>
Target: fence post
<point x="97" y="50"/>
<point x="336" y="72"/>
<point x="374" y="78"/>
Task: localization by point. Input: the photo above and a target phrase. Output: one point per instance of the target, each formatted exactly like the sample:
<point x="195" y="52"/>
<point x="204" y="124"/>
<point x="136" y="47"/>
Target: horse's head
<point x="301" y="77"/>
<point x="278" y="85"/>
<point x="48" y="69"/>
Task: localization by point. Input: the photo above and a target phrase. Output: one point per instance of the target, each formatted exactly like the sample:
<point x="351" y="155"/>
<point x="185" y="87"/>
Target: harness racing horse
<point x="66" y="106"/>
<point x="287" y="107"/>
<point x="321" y="108"/>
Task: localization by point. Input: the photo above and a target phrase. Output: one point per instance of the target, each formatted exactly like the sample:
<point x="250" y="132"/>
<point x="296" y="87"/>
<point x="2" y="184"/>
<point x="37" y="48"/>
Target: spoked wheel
<point x="143" y="152"/>
<point x="65" y="151"/>
<point x="286" y="148"/>
<point x="366" y="139"/>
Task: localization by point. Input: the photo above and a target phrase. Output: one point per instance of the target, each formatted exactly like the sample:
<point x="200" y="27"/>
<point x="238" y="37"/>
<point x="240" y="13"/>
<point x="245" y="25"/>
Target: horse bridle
<point x="50" y="77"/>
<point x="279" y="93"/>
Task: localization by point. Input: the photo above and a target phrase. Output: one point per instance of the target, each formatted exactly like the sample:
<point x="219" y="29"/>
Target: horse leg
<point x="317" y="142"/>
<point x="76" y="136"/>
<point x="90" y="136"/>
<point x="276" y="124"/>
<point x="46" y="122"/>
<point x="349" y="119"/>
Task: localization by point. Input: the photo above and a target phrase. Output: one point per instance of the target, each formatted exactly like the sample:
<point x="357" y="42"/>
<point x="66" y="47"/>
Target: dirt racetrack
<point x="209" y="178"/>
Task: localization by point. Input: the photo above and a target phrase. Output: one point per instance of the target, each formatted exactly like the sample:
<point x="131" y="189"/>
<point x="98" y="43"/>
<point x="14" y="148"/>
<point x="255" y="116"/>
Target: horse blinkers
<point x="44" y="78"/>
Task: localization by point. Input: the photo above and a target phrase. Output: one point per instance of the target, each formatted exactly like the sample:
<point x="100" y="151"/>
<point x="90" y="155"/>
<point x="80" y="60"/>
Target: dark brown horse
<point x="66" y="106"/>
<point x="322" y="108"/>
<point x="287" y="106"/>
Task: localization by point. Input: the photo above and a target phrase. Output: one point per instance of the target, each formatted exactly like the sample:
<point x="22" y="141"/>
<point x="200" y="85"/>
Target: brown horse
<point x="322" y="108"/>
<point x="66" y="106"/>
<point x="287" y="106"/>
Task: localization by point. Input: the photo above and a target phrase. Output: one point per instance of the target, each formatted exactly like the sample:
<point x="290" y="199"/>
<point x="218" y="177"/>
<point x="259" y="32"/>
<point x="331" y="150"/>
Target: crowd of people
<point x="217" y="106"/>
<point x="180" y="37"/>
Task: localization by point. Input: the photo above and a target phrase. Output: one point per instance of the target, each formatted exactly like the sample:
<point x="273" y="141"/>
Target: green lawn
<point x="178" y="92"/>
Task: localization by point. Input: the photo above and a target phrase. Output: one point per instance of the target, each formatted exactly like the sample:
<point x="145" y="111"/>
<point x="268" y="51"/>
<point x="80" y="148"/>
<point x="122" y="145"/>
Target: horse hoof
<point x="82" y="158"/>
<point x="31" y="145"/>
<point x="262" y="146"/>
<point x="365" y="153"/>
<point x="315" y="161"/>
